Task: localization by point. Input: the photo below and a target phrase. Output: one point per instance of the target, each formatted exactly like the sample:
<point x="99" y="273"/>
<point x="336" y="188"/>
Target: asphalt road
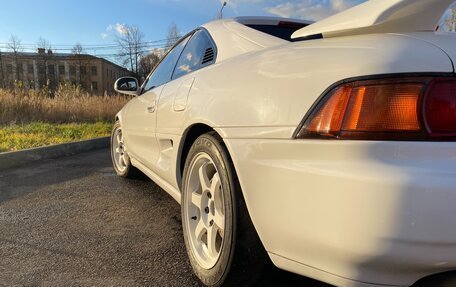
<point x="72" y="222"/>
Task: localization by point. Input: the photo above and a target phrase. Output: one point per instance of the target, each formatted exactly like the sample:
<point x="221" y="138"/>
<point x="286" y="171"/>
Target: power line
<point x="88" y="46"/>
<point x="111" y="51"/>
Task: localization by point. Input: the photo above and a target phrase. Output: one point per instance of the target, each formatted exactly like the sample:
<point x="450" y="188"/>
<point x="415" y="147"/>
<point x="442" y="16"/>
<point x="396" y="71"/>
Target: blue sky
<point x="94" y="22"/>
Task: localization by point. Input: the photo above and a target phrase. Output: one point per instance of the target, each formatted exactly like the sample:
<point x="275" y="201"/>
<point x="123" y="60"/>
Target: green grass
<point x="36" y="134"/>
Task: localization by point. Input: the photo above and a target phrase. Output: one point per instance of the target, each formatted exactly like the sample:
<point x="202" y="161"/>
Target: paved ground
<point x="72" y="222"/>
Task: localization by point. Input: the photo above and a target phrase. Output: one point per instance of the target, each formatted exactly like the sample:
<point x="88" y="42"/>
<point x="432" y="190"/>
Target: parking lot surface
<point x="72" y="222"/>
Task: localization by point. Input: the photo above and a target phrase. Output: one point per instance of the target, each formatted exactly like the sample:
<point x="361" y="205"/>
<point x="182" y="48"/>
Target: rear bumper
<point x="381" y="213"/>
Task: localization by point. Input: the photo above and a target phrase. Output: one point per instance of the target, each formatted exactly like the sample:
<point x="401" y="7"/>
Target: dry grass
<point x="68" y="104"/>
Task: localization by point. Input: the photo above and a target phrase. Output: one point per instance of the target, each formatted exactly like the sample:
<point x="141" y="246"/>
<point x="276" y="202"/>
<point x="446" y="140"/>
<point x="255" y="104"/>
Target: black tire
<point x="127" y="171"/>
<point x="242" y="256"/>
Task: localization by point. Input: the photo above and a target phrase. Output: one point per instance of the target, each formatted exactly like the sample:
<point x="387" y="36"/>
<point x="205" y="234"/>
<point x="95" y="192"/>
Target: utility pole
<point x="221" y="10"/>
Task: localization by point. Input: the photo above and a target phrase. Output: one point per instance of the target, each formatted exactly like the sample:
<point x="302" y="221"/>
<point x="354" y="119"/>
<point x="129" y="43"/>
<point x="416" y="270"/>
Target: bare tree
<point x="78" y="52"/>
<point x="131" y="47"/>
<point x="173" y="36"/>
<point x="148" y="63"/>
<point x="15" y="46"/>
<point x="77" y="49"/>
<point x="45" y="46"/>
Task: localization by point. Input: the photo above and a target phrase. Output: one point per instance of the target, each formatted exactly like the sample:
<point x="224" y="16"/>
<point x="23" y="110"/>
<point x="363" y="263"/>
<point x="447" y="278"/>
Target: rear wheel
<point x="222" y="245"/>
<point x="119" y="155"/>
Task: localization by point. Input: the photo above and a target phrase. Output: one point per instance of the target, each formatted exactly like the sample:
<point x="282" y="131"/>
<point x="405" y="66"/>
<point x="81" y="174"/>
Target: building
<point x="45" y="68"/>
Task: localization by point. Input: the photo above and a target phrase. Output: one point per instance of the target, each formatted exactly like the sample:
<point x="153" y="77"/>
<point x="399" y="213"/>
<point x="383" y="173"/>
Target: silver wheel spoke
<point x="211" y="240"/>
<point x="119" y="137"/>
<point x="204" y="180"/>
<point x="216" y="191"/>
<point x="196" y="200"/>
<point x="123" y="161"/>
<point x="219" y="220"/>
<point x="215" y="185"/>
<point x="200" y="229"/>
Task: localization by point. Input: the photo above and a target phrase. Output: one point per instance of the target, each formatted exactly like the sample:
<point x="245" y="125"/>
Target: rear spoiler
<point x="380" y="16"/>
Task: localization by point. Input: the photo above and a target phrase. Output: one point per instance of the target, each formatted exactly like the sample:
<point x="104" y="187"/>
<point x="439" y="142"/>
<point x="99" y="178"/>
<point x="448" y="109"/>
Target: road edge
<point x="17" y="158"/>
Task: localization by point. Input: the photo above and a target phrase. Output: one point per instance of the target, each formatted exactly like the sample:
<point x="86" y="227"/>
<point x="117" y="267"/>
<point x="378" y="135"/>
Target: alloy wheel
<point x="204" y="210"/>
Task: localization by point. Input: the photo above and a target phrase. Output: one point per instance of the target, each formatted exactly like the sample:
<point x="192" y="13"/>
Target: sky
<point x="95" y="23"/>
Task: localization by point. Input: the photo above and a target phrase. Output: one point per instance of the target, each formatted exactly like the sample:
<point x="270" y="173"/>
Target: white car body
<point x="349" y="213"/>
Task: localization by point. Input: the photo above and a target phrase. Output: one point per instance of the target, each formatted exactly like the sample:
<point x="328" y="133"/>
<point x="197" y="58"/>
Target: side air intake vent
<point x="208" y="56"/>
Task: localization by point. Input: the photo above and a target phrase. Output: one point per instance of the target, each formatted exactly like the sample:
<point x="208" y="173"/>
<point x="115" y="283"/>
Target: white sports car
<point x="328" y="147"/>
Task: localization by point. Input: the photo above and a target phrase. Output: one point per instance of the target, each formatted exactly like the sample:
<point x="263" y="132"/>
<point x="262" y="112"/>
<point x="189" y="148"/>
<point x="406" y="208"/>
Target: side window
<point x="162" y="74"/>
<point x="199" y="52"/>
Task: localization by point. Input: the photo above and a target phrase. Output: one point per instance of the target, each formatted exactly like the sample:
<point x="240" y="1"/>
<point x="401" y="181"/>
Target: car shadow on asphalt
<point x="271" y="276"/>
<point x="274" y="277"/>
<point x="22" y="180"/>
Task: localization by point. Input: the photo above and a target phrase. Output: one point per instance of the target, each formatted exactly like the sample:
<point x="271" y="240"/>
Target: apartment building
<point x="45" y="68"/>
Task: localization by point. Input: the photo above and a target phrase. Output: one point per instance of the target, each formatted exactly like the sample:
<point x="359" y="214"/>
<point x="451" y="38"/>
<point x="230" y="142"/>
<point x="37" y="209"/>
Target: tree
<point x="46" y="47"/>
<point x="131" y="47"/>
<point x="43" y="44"/>
<point x="78" y="52"/>
<point x="173" y="36"/>
<point x="148" y="63"/>
<point x="77" y="49"/>
<point x="15" y="46"/>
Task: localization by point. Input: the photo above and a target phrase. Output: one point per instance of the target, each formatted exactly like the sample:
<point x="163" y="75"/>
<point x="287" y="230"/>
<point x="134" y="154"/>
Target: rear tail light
<point x="440" y="108"/>
<point x="389" y="109"/>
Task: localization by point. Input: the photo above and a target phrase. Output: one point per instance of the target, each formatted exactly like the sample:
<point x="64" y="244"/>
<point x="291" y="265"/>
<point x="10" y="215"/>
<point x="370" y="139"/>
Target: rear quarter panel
<point x="276" y="87"/>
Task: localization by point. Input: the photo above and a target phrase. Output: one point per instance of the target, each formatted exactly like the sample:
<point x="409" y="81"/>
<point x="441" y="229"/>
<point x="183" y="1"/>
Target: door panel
<point x="170" y="125"/>
<point x="140" y="127"/>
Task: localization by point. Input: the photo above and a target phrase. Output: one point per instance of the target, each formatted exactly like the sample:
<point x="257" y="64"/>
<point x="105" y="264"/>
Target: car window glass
<point x="195" y="54"/>
<point x="162" y="74"/>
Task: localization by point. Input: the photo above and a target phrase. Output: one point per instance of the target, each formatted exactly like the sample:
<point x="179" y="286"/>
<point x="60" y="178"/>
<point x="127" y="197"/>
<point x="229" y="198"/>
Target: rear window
<point x="283" y="30"/>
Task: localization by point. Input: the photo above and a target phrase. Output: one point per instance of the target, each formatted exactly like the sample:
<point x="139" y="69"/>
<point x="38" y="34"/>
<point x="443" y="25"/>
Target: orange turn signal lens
<point x="368" y="110"/>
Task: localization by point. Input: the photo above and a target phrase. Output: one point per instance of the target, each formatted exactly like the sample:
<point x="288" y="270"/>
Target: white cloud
<point x="104" y="35"/>
<point x="311" y="9"/>
<point x="121" y="29"/>
<point x="185" y="68"/>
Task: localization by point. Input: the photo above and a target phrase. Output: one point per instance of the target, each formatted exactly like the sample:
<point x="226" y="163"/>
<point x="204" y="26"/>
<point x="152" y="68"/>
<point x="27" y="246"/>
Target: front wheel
<point x="221" y="242"/>
<point x="119" y="155"/>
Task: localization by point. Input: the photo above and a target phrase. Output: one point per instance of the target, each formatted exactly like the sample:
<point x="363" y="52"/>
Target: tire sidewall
<point x="211" y="146"/>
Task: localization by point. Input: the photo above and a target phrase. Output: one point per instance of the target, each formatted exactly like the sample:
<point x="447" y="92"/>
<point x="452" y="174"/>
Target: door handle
<point x="152" y="107"/>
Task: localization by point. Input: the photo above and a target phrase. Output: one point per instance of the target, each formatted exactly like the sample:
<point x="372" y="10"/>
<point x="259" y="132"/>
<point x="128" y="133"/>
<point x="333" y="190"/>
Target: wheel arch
<point x="188" y="137"/>
<point x="118" y="117"/>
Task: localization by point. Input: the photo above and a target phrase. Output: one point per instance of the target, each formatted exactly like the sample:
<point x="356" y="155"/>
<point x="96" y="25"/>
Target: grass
<point x="68" y="104"/>
<point x="18" y="137"/>
<point x="32" y="119"/>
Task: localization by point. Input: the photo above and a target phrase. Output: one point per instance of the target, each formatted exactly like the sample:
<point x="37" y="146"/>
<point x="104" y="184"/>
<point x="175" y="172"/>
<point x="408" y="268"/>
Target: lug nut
<point x="206" y="210"/>
<point x="209" y="195"/>
<point x="211" y="222"/>
<point x="194" y="218"/>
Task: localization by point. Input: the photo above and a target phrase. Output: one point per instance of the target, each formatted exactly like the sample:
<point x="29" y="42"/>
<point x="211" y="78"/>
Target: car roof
<point x="233" y="37"/>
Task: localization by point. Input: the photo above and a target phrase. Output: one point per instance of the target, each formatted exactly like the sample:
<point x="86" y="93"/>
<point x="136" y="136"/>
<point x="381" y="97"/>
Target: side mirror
<point x="127" y="86"/>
